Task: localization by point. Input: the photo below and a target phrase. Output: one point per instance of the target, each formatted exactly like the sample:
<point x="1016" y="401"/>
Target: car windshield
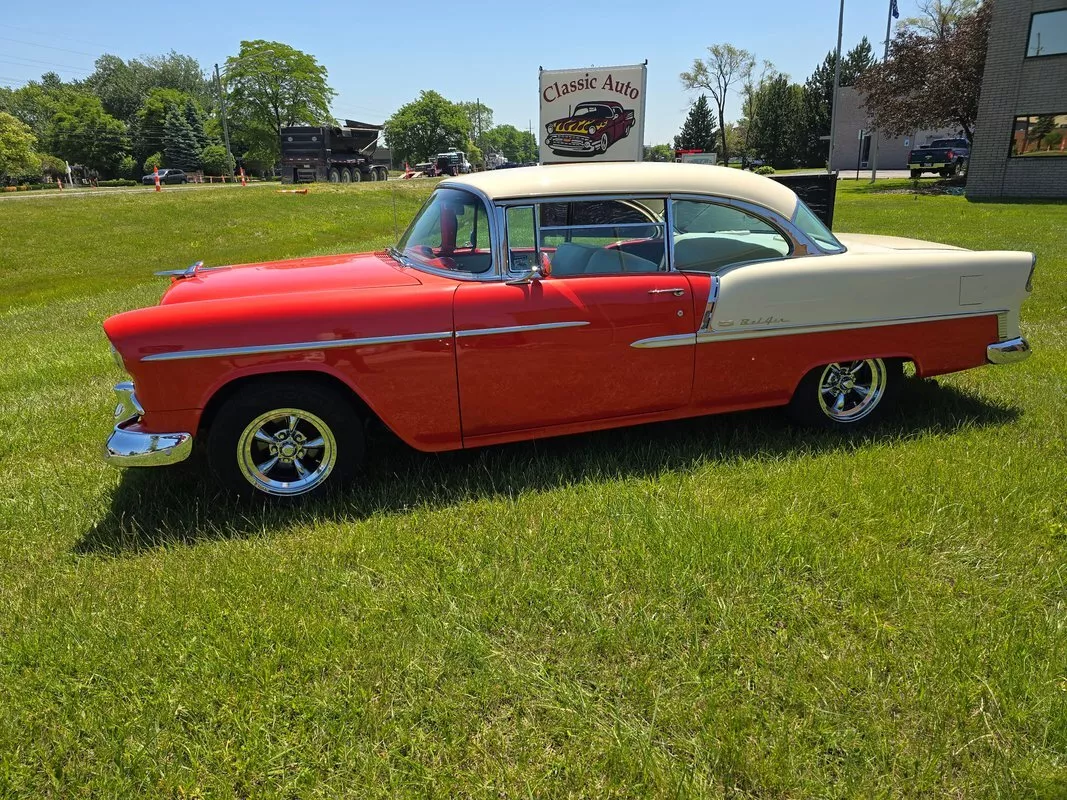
<point x="450" y="232"/>
<point x="591" y="111"/>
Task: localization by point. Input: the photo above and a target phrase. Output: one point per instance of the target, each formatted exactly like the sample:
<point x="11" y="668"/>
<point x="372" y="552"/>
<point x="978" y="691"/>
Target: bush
<point x="118" y="182"/>
<point x="215" y="160"/>
<point x="153" y="161"/>
<point x="127" y="168"/>
<point x="52" y="166"/>
<point x="766" y="169"/>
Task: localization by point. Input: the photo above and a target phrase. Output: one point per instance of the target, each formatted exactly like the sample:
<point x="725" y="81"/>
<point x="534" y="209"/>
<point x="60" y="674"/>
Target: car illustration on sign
<point x="592" y="128"/>
<point x="545" y="301"/>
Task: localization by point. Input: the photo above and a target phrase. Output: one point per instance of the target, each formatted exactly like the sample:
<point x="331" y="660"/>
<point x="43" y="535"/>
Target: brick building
<point x="1020" y="141"/>
<point x="853" y="142"/>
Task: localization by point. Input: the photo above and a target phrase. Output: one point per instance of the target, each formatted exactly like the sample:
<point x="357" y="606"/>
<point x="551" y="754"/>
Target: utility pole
<point x="837" y="86"/>
<point x="885" y="57"/>
<point x="225" y="125"/>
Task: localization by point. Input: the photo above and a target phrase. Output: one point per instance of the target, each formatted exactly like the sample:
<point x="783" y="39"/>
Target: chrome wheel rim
<point x="286" y="451"/>
<point x="850" y="390"/>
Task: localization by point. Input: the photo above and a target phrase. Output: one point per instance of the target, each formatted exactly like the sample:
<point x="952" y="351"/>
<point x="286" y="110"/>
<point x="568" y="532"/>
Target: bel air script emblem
<point x="747" y="322"/>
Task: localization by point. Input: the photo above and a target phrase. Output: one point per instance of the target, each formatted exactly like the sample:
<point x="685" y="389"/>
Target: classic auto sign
<point x="595" y="114"/>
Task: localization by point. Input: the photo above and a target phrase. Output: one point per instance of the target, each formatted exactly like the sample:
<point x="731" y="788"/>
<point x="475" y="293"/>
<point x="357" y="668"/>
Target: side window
<point x="604" y="237"/>
<point x="522" y="248"/>
<point x="708" y="237"/>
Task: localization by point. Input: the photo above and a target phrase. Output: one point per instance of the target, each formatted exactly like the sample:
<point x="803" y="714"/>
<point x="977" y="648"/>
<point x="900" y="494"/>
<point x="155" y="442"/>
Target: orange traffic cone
<point x="155" y="171"/>
<point x="243" y="181"/>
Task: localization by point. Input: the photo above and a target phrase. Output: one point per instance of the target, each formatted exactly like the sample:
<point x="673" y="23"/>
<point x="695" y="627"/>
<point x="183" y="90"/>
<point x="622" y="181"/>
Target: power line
<point x="51" y="35"/>
<point x="43" y="63"/>
<point x="49" y="47"/>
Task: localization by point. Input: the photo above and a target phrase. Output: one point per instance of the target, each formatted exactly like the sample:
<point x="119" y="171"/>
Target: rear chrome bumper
<point x="133" y="448"/>
<point x="1009" y="352"/>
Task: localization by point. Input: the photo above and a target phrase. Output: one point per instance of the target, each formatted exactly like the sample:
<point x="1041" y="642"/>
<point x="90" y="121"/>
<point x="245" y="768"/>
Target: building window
<point x="1048" y="34"/>
<point x="1040" y="135"/>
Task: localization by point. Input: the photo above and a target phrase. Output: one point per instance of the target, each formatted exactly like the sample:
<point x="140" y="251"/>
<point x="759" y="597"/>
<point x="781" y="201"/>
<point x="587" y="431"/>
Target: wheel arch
<point x="801" y="374"/>
<point x="231" y="387"/>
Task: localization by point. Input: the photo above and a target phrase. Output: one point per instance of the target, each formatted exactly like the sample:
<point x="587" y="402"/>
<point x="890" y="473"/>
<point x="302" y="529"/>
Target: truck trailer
<point x="337" y="155"/>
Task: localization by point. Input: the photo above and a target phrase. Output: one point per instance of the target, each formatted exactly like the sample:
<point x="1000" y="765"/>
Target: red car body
<point x="450" y="361"/>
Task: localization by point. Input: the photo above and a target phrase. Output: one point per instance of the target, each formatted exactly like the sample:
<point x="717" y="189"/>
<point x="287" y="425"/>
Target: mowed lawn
<point x="725" y="607"/>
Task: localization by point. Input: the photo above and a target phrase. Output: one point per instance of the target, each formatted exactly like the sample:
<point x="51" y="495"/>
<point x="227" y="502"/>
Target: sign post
<point x="594" y="114"/>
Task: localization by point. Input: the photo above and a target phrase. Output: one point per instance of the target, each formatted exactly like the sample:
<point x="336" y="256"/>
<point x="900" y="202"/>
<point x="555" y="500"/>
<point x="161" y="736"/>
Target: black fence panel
<point x="818" y="191"/>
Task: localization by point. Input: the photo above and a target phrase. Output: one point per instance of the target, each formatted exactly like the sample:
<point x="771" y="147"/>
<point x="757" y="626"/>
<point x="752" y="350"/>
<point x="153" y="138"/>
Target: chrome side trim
<point x="1010" y="352"/>
<point x="709" y="309"/>
<point x="706" y="337"/>
<point x="676" y="340"/>
<point x="543" y="326"/>
<point x="292" y="347"/>
<point x="125" y="448"/>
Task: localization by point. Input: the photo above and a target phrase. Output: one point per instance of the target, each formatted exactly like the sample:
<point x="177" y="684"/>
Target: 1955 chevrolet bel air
<point x="544" y="301"/>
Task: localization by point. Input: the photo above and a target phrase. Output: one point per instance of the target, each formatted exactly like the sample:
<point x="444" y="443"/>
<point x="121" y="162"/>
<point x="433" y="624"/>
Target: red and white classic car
<point x="544" y="301"/>
<point x="592" y="128"/>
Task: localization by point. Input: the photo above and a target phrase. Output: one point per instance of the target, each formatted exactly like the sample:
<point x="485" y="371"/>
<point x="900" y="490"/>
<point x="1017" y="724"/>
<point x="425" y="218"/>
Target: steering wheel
<point x="423" y="250"/>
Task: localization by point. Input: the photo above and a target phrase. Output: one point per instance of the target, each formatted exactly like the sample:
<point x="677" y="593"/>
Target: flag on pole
<point x="893" y="9"/>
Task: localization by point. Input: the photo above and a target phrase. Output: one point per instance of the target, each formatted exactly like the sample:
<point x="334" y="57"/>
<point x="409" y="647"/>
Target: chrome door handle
<point x="675" y="292"/>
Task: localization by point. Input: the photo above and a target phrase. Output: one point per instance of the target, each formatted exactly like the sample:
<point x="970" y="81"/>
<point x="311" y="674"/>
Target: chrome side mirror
<point x="535" y="273"/>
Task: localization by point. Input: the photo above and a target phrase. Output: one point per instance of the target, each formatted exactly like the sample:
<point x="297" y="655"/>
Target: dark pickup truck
<point x="947" y="157"/>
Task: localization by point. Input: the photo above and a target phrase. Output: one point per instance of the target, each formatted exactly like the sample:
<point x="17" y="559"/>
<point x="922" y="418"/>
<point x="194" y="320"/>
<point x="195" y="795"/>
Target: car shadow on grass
<point x="181" y="505"/>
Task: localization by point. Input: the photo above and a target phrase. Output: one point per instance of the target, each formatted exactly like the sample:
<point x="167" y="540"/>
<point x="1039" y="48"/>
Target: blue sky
<point x="379" y="56"/>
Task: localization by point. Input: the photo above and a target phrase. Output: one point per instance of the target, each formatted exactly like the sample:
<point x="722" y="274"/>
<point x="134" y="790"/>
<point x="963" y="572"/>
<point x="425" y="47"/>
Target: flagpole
<point x="837" y="85"/>
<point x="885" y="57"/>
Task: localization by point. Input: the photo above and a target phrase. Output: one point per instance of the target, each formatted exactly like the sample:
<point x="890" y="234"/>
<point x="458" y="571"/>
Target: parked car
<point x="591" y="129"/>
<point x="947" y="157"/>
<point x="166" y="176"/>
<point x="544" y="301"/>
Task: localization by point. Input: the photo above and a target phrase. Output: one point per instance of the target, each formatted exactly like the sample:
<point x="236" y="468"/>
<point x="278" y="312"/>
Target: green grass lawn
<point x="724" y="607"/>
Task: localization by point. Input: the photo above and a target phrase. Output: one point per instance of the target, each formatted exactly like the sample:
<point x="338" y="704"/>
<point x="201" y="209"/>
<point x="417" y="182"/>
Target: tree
<point x="481" y="119"/>
<point x="724" y="66"/>
<point x="426" y="126"/>
<point x="659" y="152"/>
<point x="121" y="86"/>
<point x="82" y="132"/>
<point x="194" y="117"/>
<point x="215" y="160"/>
<point x="274" y="85"/>
<point x="929" y="82"/>
<point x="1045" y="124"/>
<point x="180" y="148"/>
<point x="17" y="141"/>
<point x="778" y="125"/>
<point x="698" y="130"/>
<point x="148" y="127"/>
<point x="751" y="88"/>
<point x="154" y="161"/>
<point x="818" y="100"/>
<point x="937" y="18"/>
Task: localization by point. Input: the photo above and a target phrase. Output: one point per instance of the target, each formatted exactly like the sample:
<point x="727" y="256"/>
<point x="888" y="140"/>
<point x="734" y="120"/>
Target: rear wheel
<point x="357" y="176"/>
<point x="372" y="175"/>
<point x="334" y="176"/>
<point x="915" y="173"/>
<point x="346" y="176"/>
<point x="847" y="394"/>
<point x="285" y="439"/>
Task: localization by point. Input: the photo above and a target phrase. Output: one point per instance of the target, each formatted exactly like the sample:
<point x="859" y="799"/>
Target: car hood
<point x="577" y="124"/>
<point x="318" y="274"/>
<point x="871" y="243"/>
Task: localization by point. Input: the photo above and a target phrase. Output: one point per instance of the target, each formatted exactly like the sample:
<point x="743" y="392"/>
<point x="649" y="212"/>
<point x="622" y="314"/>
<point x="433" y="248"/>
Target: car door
<point x="573" y="347"/>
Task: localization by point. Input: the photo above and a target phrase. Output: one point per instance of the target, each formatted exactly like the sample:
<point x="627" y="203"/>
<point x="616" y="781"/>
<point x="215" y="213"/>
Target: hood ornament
<point x="189" y="272"/>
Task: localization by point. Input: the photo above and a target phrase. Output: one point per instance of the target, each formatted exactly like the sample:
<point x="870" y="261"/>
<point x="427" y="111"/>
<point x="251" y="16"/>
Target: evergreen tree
<point x="698" y="131"/>
<point x="818" y="100"/>
<point x="179" y="143"/>
<point x="777" y="128"/>
<point x="195" y="117"/>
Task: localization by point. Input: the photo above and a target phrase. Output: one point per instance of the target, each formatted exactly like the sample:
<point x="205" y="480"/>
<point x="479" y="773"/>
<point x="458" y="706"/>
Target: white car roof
<point x="631" y="178"/>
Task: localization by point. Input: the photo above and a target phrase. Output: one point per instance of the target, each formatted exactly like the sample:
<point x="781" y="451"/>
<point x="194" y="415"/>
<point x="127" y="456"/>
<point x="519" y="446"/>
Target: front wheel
<point x="847" y="394"/>
<point x="916" y="173"/>
<point x="285" y="439"/>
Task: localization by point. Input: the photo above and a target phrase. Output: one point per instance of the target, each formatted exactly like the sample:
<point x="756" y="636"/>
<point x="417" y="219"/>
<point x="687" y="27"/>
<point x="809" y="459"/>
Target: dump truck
<point x="338" y="155"/>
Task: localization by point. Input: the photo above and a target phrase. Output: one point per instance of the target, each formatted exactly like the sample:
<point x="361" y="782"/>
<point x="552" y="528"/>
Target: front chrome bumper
<point x="1009" y="352"/>
<point x="132" y="448"/>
